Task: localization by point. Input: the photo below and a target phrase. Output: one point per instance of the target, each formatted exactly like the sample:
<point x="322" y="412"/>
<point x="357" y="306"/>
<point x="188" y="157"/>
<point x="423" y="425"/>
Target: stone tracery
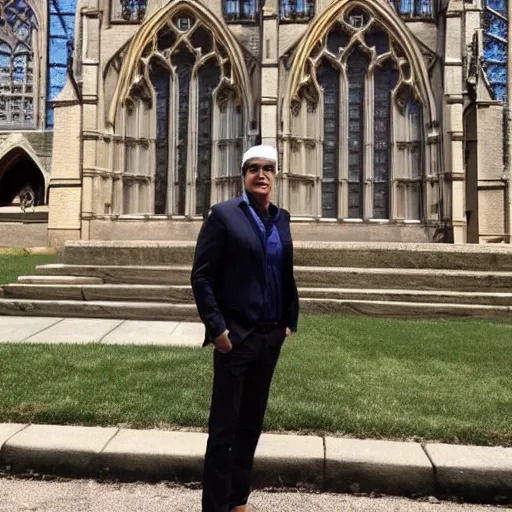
<point x="360" y="84"/>
<point x="186" y="84"/>
<point x="17" y="27"/>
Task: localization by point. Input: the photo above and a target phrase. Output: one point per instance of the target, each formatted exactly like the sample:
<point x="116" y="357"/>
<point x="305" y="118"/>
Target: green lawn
<point x="14" y="263"/>
<point x="447" y="380"/>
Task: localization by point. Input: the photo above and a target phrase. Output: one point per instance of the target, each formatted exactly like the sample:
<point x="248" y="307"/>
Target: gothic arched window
<point x="369" y="141"/>
<point x="17" y="29"/>
<point x="182" y="125"/>
<point x="413" y="8"/>
<point x="240" y="10"/>
<point x="128" y="10"/>
<point x="296" y="10"/>
<point x="61" y="37"/>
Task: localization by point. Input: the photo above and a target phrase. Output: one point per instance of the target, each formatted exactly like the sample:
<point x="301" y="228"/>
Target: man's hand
<point x="288" y="332"/>
<point x="222" y="343"/>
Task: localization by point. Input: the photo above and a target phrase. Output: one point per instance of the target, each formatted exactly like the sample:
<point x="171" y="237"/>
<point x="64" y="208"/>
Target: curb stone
<point x="384" y="466"/>
<point x="55" y="449"/>
<point x="474" y="473"/>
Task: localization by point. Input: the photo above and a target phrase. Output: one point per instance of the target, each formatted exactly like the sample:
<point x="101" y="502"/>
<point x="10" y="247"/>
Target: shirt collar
<point x="272" y="209"/>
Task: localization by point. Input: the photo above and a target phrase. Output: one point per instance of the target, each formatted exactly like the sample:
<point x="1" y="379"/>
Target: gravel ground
<point x="22" y="495"/>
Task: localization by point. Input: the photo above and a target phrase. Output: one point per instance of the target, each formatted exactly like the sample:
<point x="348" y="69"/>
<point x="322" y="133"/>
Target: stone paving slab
<point x="473" y="471"/>
<point x="155" y="454"/>
<point x="370" y="465"/>
<point x="140" y="332"/>
<point x="7" y="430"/>
<point x="108" y="331"/>
<point x="15" y="329"/>
<point x="189" y="334"/>
<point x="284" y="460"/>
<point x="76" y="330"/>
<point x="55" y="449"/>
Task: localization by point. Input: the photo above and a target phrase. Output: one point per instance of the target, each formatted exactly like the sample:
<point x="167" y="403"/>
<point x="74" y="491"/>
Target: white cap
<point x="264" y="152"/>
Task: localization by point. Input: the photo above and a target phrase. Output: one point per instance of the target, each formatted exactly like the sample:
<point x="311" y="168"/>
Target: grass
<point x="446" y="380"/>
<point x="14" y="263"/>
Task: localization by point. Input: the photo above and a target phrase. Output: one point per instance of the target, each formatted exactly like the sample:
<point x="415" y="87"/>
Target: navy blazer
<point x="228" y="275"/>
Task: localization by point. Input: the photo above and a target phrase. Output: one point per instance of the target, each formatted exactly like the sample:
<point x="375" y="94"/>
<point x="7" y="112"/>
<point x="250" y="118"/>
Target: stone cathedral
<point x="127" y="119"/>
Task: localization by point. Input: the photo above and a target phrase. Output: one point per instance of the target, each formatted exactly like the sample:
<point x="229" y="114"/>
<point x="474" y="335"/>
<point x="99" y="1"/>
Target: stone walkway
<point x="33" y="329"/>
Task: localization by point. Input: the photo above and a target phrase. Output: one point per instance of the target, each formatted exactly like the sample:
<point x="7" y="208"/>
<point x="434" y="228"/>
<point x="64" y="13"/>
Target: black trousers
<point x="241" y="384"/>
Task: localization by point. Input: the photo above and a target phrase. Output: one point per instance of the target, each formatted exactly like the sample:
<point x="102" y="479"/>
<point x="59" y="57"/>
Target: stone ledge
<point x="476" y="472"/>
<point x="154" y="454"/>
<point x="286" y="460"/>
<point x="383" y="466"/>
<point x="61" y="450"/>
<point x="320" y="253"/>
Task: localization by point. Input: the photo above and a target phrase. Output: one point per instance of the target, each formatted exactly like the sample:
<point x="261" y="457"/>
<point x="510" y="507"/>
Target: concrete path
<point x="33" y="329"/>
<point x="322" y="463"/>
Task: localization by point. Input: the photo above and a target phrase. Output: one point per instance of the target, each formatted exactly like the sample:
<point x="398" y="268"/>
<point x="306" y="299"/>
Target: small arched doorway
<point x="21" y="181"/>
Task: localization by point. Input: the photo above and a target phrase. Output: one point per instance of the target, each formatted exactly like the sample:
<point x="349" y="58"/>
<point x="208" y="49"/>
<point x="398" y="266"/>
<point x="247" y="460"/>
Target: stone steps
<point x="178" y="294"/>
<point x="182" y="294"/>
<point x="100" y="309"/>
<point x="316" y="277"/>
<point x="188" y="312"/>
<point x="59" y="280"/>
<point x="326" y="254"/>
<point x="151" y="281"/>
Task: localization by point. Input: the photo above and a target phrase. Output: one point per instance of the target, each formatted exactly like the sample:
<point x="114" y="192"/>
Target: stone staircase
<point x="151" y="281"/>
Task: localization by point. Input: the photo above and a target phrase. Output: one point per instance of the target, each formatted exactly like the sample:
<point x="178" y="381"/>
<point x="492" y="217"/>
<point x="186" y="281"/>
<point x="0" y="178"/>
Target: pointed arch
<point x="358" y="160"/>
<point x="21" y="173"/>
<point x="391" y="23"/>
<point x="149" y="30"/>
<point x="17" y="144"/>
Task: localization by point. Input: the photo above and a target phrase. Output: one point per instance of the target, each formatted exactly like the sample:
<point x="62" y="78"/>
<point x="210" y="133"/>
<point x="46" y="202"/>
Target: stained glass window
<point x="413" y="8"/>
<point x="297" y="9"/>
<point x="186" y="89"/>
<point x="329" y="80"/>
<point x="17" y="25"/>
<point x="61" y="39"/>
<point x="128" y="10"/>
<point x="385" y="81"/>
<point x="357" y="67"/>
<point x="208" y="77"/>
<point x="185" y="62"/>
<point x="235" y="10"/>
<point x="161" y="79"/>
<point x="495" y="47"/>
<point x="358" y="170"/>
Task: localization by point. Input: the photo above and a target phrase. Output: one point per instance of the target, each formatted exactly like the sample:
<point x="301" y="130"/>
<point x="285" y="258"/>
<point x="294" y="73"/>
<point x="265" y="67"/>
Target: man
<point x="243" y="284"/>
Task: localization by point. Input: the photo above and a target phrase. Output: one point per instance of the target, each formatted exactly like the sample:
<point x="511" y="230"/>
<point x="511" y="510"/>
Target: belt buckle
<point x="266" y="328"/>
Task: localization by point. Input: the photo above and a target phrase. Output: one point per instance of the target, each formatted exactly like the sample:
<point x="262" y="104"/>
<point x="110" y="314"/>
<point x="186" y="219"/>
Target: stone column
<point x="454" y="90"/>
<point x="269" y="73"/>
<point x="65" y="190"/>
<point x="93" y="182"/>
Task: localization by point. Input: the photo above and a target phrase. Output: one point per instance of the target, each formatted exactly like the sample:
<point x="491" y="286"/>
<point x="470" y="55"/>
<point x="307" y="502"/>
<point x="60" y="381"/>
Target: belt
<point x="266" y="327"/>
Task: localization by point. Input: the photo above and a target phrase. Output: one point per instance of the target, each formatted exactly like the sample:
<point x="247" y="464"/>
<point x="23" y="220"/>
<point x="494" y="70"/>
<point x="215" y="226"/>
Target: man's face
<point x="260" y="175"/>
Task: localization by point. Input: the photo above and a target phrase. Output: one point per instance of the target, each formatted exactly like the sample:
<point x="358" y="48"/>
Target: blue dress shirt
<point x="269" y="236"/>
